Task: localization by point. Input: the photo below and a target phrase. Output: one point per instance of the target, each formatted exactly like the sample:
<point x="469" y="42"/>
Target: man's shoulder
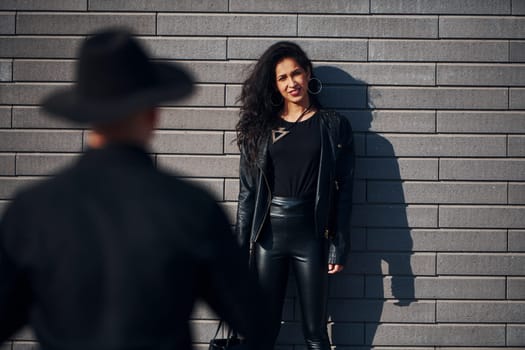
<point x="194" y="207"/>
<point x="39" y="188"/>
<point x="190" y="197"/>
<point x="185" y="189"/>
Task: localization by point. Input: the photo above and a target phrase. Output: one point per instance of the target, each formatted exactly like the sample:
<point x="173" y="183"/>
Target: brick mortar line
<point x="16" y="17"/>
<point x="439" y="168"/>
<point x="436" y="121"/>
<point x="436" y="74"/>
<point x="223" y="151"/>
<point x="15" y="165"/>
<point x="435" y="310"/>
<point x="506" y="324"/>
<point x="225" y="105"/>
<point x="297" y="25"/>
<point x="368" y="51"/>
<point x="224" y="189"/>
<point x="508" y="53"/>
<point x="226" y="58"/>
<point x="83" y="140"/>
<point x="11" y="117"/>
<point x="438" y="28"/>
<point x="508" y="251"/>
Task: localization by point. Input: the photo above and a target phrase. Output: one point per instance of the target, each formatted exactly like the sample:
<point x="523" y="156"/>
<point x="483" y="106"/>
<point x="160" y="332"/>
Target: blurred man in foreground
<point x="112" y="253"/>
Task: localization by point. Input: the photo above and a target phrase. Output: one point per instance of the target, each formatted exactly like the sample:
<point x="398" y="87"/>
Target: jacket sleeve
<point x="345" y="162"/>
<point x="246" y="203"/>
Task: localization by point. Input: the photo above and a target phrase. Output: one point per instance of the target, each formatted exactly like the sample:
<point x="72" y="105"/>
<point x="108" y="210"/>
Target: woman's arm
<point x="246" y="204"/>
<point x="340" y="244"/>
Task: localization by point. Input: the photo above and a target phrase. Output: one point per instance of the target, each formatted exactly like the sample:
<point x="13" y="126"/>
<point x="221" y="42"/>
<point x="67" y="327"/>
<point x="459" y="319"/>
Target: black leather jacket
<point x="334" y="189"/>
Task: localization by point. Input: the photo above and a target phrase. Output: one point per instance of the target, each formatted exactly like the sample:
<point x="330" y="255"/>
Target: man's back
<point x="112" y="254"/>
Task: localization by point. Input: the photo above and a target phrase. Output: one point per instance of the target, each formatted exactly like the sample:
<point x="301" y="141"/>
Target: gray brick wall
<point x="435" y="90"/>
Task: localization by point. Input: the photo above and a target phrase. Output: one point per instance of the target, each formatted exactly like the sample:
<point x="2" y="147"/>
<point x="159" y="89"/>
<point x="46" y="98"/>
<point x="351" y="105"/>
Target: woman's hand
<point x="334" y="268"/>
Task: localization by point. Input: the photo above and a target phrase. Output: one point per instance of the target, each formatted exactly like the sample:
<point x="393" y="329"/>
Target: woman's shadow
<point x="378" y="280"/>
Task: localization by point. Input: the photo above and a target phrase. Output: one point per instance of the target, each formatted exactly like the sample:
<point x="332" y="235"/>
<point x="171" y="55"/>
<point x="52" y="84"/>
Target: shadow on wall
<point x="365" y="294"/>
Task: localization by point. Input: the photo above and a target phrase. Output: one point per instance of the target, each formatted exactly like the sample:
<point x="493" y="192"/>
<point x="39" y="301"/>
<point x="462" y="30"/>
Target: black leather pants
<point x="290" y="240"/>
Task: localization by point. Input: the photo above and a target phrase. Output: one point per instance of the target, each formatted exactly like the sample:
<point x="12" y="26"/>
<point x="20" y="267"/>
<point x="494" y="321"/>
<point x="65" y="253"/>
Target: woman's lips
<point x="295" y="92"/>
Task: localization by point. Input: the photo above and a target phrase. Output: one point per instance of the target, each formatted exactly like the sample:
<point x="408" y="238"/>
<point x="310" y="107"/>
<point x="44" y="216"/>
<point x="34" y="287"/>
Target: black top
<point x="295" y="159"/>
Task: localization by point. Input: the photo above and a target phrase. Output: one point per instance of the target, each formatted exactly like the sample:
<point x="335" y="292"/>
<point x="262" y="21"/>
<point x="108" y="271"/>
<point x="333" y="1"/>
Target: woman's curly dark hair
<point x="260" y="100"/>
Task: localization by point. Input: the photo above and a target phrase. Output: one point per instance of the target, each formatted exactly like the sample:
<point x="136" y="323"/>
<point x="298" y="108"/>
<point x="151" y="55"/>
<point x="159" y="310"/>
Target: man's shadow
<point x="378" y="278"/>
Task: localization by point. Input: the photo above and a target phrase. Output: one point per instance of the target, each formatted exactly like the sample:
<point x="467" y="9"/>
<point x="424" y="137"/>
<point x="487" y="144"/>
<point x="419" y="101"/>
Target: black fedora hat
<point x="114" y="79"/>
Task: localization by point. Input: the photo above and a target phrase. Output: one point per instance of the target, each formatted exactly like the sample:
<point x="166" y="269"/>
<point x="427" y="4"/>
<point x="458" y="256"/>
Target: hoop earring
<point x="276" y="104"/>
<point x="319" y="86"/>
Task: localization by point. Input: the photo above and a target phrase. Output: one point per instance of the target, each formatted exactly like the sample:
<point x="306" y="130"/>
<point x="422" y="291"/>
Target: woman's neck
<point x="292" y="110"/>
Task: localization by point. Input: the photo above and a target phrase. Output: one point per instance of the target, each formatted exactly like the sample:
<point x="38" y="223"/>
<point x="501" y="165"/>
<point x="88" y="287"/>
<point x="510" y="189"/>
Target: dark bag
<point x="231" y="342"/>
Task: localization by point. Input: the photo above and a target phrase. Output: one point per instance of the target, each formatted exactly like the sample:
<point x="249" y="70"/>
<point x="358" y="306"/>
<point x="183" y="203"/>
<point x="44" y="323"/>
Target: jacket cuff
<point x="336" y="256"/>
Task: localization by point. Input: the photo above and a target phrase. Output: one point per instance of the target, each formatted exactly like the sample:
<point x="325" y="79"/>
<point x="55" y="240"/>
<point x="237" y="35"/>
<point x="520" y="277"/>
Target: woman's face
<point x="292" y="81"/>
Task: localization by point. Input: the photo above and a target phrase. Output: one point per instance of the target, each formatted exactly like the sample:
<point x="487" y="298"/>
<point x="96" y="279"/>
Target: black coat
<point x="112" y="254"/>
<point x="333" y="202"/>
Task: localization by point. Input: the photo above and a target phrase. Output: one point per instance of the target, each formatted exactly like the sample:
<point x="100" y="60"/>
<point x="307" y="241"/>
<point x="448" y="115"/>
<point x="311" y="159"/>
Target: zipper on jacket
<point x="267" y="206"/>
<point x="325" y="230"/>
<point x="319" y="173"/>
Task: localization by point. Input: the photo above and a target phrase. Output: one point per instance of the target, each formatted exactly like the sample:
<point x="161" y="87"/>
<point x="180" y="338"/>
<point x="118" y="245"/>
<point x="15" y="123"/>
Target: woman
<point x="295" y="186"/>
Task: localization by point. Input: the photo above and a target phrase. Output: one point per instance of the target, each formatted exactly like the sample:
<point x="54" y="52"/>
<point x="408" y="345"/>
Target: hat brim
<point x="173" y="84"/>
